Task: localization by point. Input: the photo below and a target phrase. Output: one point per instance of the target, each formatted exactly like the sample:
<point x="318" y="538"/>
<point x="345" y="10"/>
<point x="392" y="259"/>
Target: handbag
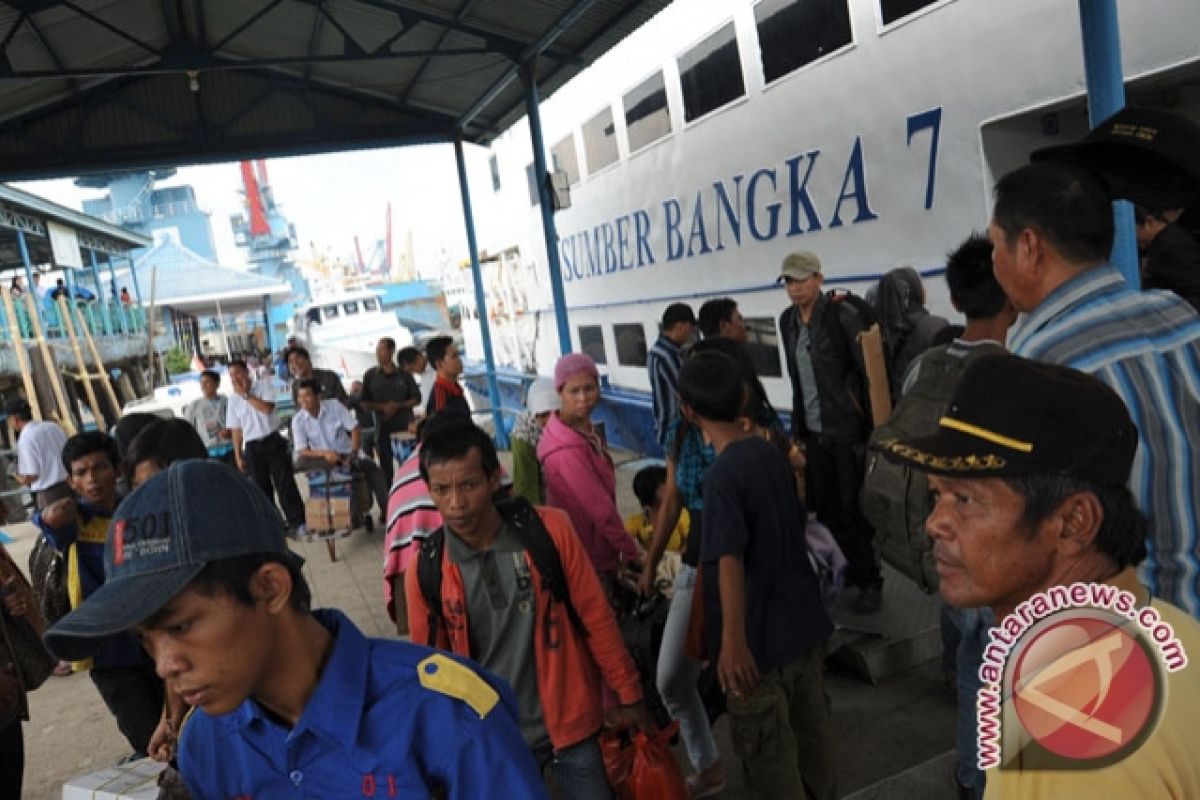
<point x="32" y="662"/>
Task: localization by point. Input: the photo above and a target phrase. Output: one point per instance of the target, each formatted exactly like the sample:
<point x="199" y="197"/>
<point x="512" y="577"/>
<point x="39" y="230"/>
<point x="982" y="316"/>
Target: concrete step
<point x="905" y="632"/>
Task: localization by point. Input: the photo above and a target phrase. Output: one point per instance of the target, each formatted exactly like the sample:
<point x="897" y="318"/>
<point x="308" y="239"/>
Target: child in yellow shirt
<point x="649" y="485"/>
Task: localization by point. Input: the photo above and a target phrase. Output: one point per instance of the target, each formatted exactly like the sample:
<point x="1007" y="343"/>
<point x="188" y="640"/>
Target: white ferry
<point x="724" y="134"/>
<point x="340" y="330"/>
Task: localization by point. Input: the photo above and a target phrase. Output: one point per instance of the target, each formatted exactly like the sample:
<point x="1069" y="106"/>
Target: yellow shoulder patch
<point x="444" y="675"/>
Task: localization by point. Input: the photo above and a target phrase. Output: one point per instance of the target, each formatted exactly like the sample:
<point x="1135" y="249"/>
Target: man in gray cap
<point x="287" y="700"/>
<point x="830" y="417"/>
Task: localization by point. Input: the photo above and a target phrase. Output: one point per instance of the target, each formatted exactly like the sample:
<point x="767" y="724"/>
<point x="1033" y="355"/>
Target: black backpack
<point x="895" y="498"/>
<point x="525" y="523"/>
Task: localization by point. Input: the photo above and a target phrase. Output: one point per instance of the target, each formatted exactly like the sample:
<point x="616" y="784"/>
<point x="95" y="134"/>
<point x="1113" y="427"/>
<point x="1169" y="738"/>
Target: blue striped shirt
<point x="1146" y="346"/>
<point x="663" y="362"/>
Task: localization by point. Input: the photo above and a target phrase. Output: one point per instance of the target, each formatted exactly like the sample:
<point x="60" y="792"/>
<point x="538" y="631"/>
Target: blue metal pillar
<point x="137" y="290"/>
<point x="548" y="230"/>
<point x="101" y="303"/>
<point x="480" y="300"/>
<point x="28" y="262"/>
<point x="112" y="278"/>
<point x="1106" y="96"/>
<point x="267" y="325"/>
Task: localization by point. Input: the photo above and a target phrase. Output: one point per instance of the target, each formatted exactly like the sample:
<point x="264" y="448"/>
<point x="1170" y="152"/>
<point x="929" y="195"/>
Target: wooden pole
<point x="97" y="412"/>
<point x="101" y="372"/>
<point x="66" y="418"/>
<point x="14" y="330"/>
<point x="878" y="387"/>
<point x="150" y="326"/>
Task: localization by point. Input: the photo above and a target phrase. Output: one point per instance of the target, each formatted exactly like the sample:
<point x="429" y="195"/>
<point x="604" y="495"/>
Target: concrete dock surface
<point x="893" y="737"/>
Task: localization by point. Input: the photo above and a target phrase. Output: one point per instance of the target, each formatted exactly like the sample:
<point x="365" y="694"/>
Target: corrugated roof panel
<point x="152" y="118"/>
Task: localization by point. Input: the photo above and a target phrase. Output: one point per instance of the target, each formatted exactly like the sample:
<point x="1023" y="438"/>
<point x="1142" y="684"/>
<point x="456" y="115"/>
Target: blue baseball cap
<point x="161" y="537"/>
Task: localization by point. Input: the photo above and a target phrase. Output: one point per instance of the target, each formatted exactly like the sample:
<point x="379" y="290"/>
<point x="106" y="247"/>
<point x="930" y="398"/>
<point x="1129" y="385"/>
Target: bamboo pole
<point x="14" y="329"/>
<point x="97" y="412"/>
<point x="101" y="372"/>
<point x="66" y="418"/>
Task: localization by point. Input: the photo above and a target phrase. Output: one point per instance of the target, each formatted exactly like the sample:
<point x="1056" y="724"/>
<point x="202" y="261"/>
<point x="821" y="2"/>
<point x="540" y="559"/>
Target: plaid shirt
<point x="695" y="457"/>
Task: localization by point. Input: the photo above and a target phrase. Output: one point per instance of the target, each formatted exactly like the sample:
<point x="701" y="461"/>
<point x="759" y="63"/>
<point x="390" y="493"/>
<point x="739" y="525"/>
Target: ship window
<point x="892" y="10"/>
<point x="647" y="117"/>
<point x="791" y="33"/>
<point x="494" y="165"/>
<point x="350" y="308"/>
<point x="312" y="316"/>
<point x="711" y="74"/>
<point x="565" y="159"/>
<point x="591" y="341"/>
<point x="370" y="304"/>
<point x="600" y="141"/>
<point x="763" y="344"/>
<point x="631" y="344"/>
<point x="531" y="177"/>
<point x="329" y="312"/>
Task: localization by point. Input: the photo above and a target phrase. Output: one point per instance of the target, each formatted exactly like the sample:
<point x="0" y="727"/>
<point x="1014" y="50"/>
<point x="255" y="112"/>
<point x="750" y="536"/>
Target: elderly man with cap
<point x="663" y="362"/>
<point x="579" y="474"/>
<point x="39" y="453"/>
<point x="288" y="701"/>
<point x="1027" y="471"/>
<point x="1052" y="233"/>
<point x="830" y="413"/>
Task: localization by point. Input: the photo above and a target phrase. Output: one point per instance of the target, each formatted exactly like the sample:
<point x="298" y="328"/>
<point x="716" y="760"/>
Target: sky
<point x="330" y="198"/>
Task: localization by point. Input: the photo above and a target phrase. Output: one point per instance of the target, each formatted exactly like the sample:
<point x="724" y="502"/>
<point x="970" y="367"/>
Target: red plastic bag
<point x="655" y="774"/>
<point x="618" y="762"/>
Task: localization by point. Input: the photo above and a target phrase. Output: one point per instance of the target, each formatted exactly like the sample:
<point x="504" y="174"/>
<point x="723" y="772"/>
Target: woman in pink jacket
<point x="579" y="475"/>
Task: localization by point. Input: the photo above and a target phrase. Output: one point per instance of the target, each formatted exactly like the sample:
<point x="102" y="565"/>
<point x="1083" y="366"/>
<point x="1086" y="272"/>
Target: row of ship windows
<point x="791" y="33"/>
<point x="631" y="344"/>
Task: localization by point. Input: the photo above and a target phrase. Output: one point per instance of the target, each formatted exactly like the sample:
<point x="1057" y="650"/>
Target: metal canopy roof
<point x="27" y="212"/>
<point x="91" y="84"/>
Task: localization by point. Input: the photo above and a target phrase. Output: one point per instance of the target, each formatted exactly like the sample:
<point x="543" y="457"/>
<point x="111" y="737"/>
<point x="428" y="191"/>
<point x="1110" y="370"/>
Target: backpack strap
<point x="527" y="526"/>
<point x="429" y="579"/>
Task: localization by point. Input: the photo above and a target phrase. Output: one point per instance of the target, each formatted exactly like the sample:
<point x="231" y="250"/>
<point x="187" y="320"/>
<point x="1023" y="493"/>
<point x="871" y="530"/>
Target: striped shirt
<point x="663" y="362"/>
<point x="1146" y="347"/>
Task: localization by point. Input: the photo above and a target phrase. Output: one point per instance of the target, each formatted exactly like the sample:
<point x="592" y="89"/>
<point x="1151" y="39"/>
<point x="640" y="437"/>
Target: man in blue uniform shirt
<point x="289" y="703"/>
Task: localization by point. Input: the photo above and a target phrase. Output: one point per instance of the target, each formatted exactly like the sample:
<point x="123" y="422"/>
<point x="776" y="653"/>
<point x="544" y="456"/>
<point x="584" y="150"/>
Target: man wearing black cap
<point x="39" y="453"/>
<point x="663" y="362"/>
<point x="1052" y="231"/>
<point x="1027" y="471"/>
<point x="288" y="701"/>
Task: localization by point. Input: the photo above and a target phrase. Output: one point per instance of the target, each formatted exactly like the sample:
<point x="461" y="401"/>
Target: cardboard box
<point x="323" y="515"/>
<point x="137" y="780"/>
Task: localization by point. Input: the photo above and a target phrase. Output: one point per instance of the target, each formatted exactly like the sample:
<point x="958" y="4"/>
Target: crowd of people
<point x="1050" y="440"/>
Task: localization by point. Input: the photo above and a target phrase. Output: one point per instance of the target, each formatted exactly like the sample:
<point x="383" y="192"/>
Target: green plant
<point x="177" y="361"/>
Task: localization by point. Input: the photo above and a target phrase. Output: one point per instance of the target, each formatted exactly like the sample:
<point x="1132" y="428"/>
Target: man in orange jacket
<point x="552" y="646"/>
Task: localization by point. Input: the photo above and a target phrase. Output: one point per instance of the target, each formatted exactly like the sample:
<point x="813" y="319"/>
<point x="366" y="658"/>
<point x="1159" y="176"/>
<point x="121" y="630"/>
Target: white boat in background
<point x="340" y="330"/>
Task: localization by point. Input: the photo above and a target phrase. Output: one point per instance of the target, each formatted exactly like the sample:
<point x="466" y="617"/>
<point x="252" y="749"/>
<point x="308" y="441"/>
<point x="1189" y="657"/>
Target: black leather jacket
<point x="837" y="364"/>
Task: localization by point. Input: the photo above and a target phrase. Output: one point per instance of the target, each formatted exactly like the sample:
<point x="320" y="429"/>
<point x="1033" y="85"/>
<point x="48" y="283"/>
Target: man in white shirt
<point x="258" y="449"/>
<point x="39" y="454"/>
<point x="325" y="434"/>
<point x="207" y="415"/>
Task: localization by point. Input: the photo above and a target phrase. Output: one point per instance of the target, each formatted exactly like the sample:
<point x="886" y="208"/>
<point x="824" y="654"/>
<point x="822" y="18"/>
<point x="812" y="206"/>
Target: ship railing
<point x="102" y="319"/>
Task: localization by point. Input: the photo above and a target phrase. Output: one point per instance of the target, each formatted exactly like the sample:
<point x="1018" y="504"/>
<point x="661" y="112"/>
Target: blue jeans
<point x="677" y="676"/>
<point x="972" y="625"/>
<point x="578" y="770"/>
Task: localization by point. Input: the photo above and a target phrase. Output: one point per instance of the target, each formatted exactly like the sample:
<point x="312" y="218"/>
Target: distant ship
<point x="340" y="329"/>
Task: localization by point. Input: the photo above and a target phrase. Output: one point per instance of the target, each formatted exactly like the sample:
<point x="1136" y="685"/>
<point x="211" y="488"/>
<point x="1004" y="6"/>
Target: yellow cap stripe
<point x="986" y="435"/>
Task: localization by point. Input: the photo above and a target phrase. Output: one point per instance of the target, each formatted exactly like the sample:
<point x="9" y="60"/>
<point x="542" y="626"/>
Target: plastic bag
<point x="617" y="752"/>
<point x="655" y="774"/>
